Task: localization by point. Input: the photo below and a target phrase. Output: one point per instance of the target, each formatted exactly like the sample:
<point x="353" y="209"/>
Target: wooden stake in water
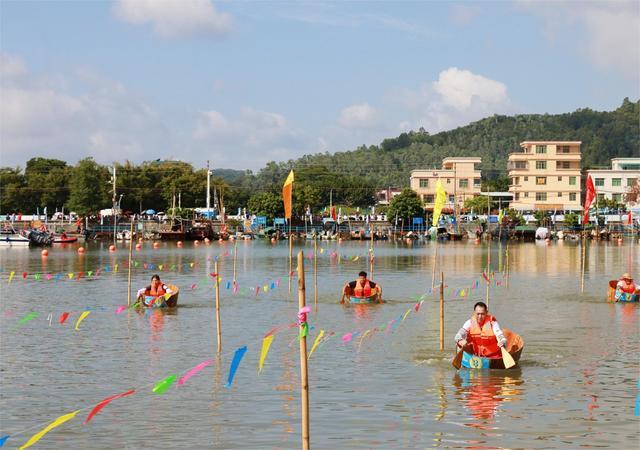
<point x="433" y="271"/>
<point x="488" y="270"/>
<point x="506" y="270"/>
<point x="129" y="275"/>
<point x="218" y="325"/>
<point x="584" y="260"/>
<point x="441" y="310"/>
<point x="304" y="380"/>
<point x="315" y="273"/>
<point x="290" y="256"/>
<point x="371" y="254"/>
<point x="235" y="254"/>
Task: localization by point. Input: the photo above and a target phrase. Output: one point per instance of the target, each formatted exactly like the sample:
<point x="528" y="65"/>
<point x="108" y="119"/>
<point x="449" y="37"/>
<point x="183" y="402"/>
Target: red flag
<point x="334" y="216"/>
<point x="588" y="200"/>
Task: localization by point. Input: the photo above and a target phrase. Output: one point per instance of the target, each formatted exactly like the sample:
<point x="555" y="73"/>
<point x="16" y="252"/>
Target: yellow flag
<point x="287" y="189"/>
<point x="266" y="343"/>
<point x="441" y="198"/>
<point x="56" y="423"/>
<point x="81" y="318"/>
<point x="316" y="342"/>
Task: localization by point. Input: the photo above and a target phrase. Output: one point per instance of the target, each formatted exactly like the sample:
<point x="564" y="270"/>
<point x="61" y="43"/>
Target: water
<point x="576" y="385"/>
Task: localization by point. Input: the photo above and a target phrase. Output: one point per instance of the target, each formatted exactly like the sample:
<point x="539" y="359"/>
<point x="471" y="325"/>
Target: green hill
<point x="604" y="135"/>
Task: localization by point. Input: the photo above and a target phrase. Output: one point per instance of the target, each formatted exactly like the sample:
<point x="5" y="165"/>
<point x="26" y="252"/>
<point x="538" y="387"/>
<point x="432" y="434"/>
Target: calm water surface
<point x="576" y="386"/>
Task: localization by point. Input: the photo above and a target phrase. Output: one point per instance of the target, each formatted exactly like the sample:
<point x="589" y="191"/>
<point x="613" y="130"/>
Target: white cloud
<point x="613" y="30"/>
<point x="456" y="98"/>
<point x="173" y="18"/>
<point x="461" y="14"/>
<point x="358" y="116"/>
<point x="11" y="66"/>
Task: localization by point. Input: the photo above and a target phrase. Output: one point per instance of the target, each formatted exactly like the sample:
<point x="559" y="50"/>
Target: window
<point x="559" y="194"/>
<point x="631" y="181"/>
<point x="452" y="199"/>
<point x="448" y="180"/>
<point x="477" y="182"/>
<point x="572" y="181"/>
<point x="517" y="196"/>
<point x="572" y="196"/>
<point x="515" y="181"/>
<point x="599" y="181"/>
<point x="526" y="178"/>
<point x="564" y="149"/>
<point x="424" y="182"/>
<point x="541" y="165"/>
<point x="563" y="165"/>
<point x="541" y="149"/>
<point x="541" y="180"/>
<point x="600" y="197"/>
<point x="526" y="194"/>
<point x="559" y="178"/>
<point x="521" y="164"/>
<point x="463" y="183"/>
<point x="428" y="198"/>
<point x="617" y="197"/>
<point x="541" y="196"/>
<point x="616" y="182"/>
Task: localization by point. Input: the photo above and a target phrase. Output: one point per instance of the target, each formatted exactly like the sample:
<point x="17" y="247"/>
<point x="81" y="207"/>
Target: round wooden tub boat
<point x="515" y="345"/>
<point x="375" y="297"/>
<point x="168" y="300"/>
<point x="624" y="298"/>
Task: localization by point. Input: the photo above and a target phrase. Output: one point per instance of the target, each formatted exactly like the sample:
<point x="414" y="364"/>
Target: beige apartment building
<point x="459" y="176"/>
<point x="614" y="183"/>
<point x="545" y="175"/>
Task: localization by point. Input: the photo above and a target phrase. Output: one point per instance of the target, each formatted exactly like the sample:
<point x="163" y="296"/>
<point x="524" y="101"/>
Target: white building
<point x="614" y="183"/>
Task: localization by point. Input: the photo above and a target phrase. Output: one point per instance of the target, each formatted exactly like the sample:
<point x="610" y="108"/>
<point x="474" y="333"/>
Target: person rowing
<point x="150" y="294"/>
<point x="481" y="335"/>
<point x="626" y="288"/>
<point x="362" y="288"/>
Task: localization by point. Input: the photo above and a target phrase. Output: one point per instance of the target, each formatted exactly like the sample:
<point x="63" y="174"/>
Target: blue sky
<point x="243" y="83"/>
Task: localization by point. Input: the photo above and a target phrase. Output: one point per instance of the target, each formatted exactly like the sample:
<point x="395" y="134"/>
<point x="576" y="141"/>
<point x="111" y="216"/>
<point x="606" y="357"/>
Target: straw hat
<point x="626" y="276"/>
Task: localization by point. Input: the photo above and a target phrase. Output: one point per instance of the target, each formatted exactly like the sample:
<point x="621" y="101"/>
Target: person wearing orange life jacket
<point x="155" y="290"/>
<point x="362" y="287"/>
<point x="481" y="334"/>
<point x="626" y="287"/>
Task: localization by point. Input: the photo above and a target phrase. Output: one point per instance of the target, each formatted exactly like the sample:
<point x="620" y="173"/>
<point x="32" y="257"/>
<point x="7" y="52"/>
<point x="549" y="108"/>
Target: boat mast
<point x="208" y="188"/>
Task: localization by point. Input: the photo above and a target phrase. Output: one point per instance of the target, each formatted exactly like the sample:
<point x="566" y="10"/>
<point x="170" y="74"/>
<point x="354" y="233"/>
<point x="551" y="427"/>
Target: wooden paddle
<point x="507" y="358"/>
<point x="342" y="299"/>
<point x="457" y="360"/>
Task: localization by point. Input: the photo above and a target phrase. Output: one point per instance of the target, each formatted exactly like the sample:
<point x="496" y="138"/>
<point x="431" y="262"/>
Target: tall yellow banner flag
<point x="286" y="195"/>
<point x="441" y="197"/>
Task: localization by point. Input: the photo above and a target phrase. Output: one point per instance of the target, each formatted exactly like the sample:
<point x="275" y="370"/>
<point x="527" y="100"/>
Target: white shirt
<point x="464" y="332"/>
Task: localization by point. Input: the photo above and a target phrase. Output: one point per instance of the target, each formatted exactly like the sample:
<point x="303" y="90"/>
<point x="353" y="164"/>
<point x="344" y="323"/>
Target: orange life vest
<point x="628" y="288"/>
<point x="483" y="338"/>
<point x="362" y="291"/>
<point x="156" y="292"/>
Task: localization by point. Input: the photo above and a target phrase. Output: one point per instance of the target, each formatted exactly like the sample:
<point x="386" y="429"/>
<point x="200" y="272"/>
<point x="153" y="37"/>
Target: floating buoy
<point x="220" y="240"/>
<point x="156" y="245"/>
<point x="339" y="239"/>
<point x="140" y="240"/>
<point x="179" y="243"/>
<point x="112" y="248"/>
<point x="206" y="240"/>
<point x="138" y="246"/>
<point x="619" y="241"/>
<point x="477" y="241"/>
<point x="273" y="240"/>
<point x="409" y="241"/>
<point x="547" y="241"/>
<point x="81" y="250"/>
<point x="44" y="252"/>
<point x="232" y="238"/>
<point x="196" y="242"/>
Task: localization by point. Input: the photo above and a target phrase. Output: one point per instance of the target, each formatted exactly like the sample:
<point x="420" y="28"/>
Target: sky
<point x="246" y="82"/>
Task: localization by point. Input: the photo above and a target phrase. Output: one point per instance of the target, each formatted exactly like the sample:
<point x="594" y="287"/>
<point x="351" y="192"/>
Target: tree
<point x="406" y="205"/>
<point x="571" y="219"/>
<point x="266" y="204"/>
<point x="478" y="204"/>
<point x="88" y="187"/>
<point x="12" y="192"/>
<point x="46" y="181"/>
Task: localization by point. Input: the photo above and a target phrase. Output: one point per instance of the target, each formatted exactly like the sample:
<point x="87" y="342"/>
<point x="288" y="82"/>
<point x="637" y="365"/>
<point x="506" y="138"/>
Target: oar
<point x="507" y="359"/>
<point x="342" y="299"/>
<point x="457" y="360"/>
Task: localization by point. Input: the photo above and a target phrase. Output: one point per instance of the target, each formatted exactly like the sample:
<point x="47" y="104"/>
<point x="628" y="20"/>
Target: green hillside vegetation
<point x="347" y="178"/>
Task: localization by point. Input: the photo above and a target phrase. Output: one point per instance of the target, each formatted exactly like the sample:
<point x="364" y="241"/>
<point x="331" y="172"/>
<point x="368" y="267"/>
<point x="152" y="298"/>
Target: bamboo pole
<point x="218" y="325"/>
<point x="129" y="274"/>
<point x="441" y="310"/>
<point x="371" y="254"/>
<point x="315" y="273"/>
<point x="433" y="270"/>
<point x="304" y="379"/>
<point x="290" y="255"/>
<point x="584" y="258"/>
<point x="506" y="270"/>
<point x="235" y="254"/>
<point x="488" y="271"/>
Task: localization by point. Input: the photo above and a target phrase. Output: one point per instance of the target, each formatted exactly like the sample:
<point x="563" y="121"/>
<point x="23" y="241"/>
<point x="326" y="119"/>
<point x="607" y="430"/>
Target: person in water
<point x="625" y="287"/>
<point x="156" y="289"/>
<point x="481" y="334"/>
<point x="362" y="287"/>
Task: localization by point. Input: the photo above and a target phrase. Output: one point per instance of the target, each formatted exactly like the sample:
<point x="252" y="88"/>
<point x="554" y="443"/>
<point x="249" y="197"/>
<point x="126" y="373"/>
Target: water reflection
<point x="481" y="393"/>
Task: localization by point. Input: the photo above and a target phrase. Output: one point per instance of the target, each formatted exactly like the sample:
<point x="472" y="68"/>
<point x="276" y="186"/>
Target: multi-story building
<point x="545" y="175"/>
<point x="460" y="177"/>
<point x="614" y="183"/>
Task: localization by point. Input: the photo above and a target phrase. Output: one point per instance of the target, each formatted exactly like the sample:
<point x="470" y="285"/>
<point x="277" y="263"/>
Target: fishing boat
<point x="375" y="297"/>
<point x="170" y="301"/>
<point x="515" y="345"/>
<point x="625" y="298"/>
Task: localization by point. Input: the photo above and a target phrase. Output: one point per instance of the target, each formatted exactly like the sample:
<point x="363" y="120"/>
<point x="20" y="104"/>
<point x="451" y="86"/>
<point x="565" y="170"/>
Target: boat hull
<point x="364" y="300"/>
<point x="515" y="345"/>
<point x="160" y="302"/>
<point x="70" y="240"/>
<point x="14" y="240"/>
<point x="623" y="298"/>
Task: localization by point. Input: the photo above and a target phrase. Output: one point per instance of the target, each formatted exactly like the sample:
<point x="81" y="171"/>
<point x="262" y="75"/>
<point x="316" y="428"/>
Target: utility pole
<point x="179" y="199"/>
<point x="113" y="206"/>
<point x="208" y="188"/>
